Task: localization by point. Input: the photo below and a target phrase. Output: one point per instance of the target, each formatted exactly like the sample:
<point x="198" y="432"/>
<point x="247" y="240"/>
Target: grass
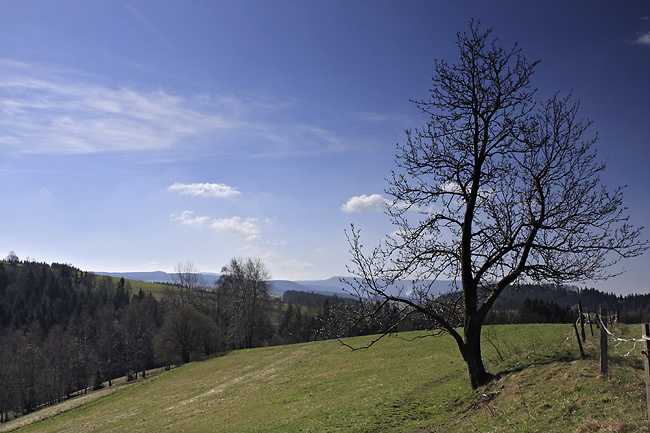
<point x="395" y="386"/>
<point x="567" y="393"/>
<point x="157" y="290"/>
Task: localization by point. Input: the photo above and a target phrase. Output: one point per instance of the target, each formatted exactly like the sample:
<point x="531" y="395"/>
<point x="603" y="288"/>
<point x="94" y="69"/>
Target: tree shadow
<point x="541" y="361"/>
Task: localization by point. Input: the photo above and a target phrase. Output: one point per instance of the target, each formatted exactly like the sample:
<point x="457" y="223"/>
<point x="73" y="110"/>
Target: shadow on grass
<point x="631" y="362"/>
<point x="539" y="360"/>
<point x="634" y="363"/>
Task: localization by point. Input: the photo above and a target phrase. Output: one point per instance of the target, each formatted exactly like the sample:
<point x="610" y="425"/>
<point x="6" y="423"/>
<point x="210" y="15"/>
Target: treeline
<point x="543" y="303"/>
<point x="63" y="330"/>
<point x="532" y="311"/>
<point x="559" y="304"/>
<point x="524" y="304"/>
<point x="311" y="299"/>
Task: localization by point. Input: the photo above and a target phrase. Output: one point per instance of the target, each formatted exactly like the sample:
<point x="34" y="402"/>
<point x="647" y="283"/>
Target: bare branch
<point x="500" y="189"/>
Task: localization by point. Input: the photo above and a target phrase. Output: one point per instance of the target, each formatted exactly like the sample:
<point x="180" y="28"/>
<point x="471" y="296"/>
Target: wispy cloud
<point x="187" y="218"/>
<point x="218" y="190"/>
<point x="269" y="254"/>
<point x="44" y="110"/>
<point x="249" y="227"/>
<point x="374" y="202"/>
<point x="297" y="264"/>
<point x="644" y="39"/>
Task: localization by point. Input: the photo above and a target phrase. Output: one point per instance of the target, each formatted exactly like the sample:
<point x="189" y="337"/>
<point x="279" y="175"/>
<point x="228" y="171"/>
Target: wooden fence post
<point x="603" y="341"/>
<point x="582" y="321"/>
<point x="582" y="352"/>
<point x="646" y="363"/>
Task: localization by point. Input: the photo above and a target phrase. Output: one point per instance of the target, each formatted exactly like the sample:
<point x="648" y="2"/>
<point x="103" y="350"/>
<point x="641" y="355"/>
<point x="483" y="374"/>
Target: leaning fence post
<point x="603" y="341"/>
<point x="575" y="328"/>
<point x="582" y="321"/>
<point x="646" y="364"/>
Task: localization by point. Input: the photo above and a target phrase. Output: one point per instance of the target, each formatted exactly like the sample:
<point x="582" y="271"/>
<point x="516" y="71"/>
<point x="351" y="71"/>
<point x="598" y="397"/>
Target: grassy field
<point x="395" y="386"/>
<point x="157" y="290"/>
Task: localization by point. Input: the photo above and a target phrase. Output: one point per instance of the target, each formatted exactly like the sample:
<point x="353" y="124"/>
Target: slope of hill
<point x="393" y="386"/>
<point x="278" y="287"/>
<point x="156" y="276"/>
<point x="331" y="286"/>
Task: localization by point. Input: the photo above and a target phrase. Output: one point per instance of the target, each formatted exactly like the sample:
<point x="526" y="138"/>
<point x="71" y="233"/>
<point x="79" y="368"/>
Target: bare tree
<point x="242" y="293"/>
<point x="187" y="280"/>
<point x="185" y="330"/>
<point x="12" y="257"/>
<point x="495" y="190"/>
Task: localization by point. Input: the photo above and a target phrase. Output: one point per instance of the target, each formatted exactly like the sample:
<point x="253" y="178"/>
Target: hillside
<point x="633" y="307"/>
<point x="328" y="287"/>
<point x="155" y="276"/>
<point x="395" y="385"/>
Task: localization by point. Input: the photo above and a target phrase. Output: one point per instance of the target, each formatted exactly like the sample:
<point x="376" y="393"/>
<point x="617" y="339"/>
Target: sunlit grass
<point x="157" y="290"/>
<point x="396" y="385"/>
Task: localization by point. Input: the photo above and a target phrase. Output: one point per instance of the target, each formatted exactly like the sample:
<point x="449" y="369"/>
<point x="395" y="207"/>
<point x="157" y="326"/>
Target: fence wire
<point x="620" y="340"/>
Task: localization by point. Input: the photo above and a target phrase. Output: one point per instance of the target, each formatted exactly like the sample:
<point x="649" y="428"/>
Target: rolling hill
<point x="396" y="385"/>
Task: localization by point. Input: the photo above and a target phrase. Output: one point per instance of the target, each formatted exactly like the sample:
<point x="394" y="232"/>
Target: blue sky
<point x="137" y="135"/>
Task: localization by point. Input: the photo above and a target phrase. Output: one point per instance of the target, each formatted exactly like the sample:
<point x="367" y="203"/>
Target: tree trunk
<point x="471" y="351"/>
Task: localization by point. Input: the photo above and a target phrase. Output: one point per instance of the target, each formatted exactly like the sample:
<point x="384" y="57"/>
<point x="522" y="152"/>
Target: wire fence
<point x="601" y="321"/>
<point x="620" y="340"/>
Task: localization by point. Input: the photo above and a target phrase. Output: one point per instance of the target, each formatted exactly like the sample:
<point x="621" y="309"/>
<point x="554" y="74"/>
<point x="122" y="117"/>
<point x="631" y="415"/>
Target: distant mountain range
<point x="329" y="287"/>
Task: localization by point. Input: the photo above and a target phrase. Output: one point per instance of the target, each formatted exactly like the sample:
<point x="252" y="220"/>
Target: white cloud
<point x="43" y="110"/>
<point x="56" y="112"/>
<point x="644" y="39"/>
<point x="364" y="202"/>
<point x="269" y="254"/>
<point x="450" y="187"/>
<point x="297" y="264"/>
<point x="205" y="189"/>
<point x="248" y="227"/>
<point x="237" y="225"/>
<point x="186" y="218"/>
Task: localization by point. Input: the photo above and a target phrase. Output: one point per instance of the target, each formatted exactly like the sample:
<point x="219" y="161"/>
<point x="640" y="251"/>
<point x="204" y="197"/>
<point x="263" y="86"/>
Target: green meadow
<point x="157" y="290"/>
<point x="400" y="384"/>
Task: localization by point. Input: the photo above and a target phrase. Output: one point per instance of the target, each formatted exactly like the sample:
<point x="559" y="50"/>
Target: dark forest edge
<point x="64" y="331"/>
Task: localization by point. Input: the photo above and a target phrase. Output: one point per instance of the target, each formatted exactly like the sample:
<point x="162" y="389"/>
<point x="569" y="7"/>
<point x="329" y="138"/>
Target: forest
<point x="64" y="331"/>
